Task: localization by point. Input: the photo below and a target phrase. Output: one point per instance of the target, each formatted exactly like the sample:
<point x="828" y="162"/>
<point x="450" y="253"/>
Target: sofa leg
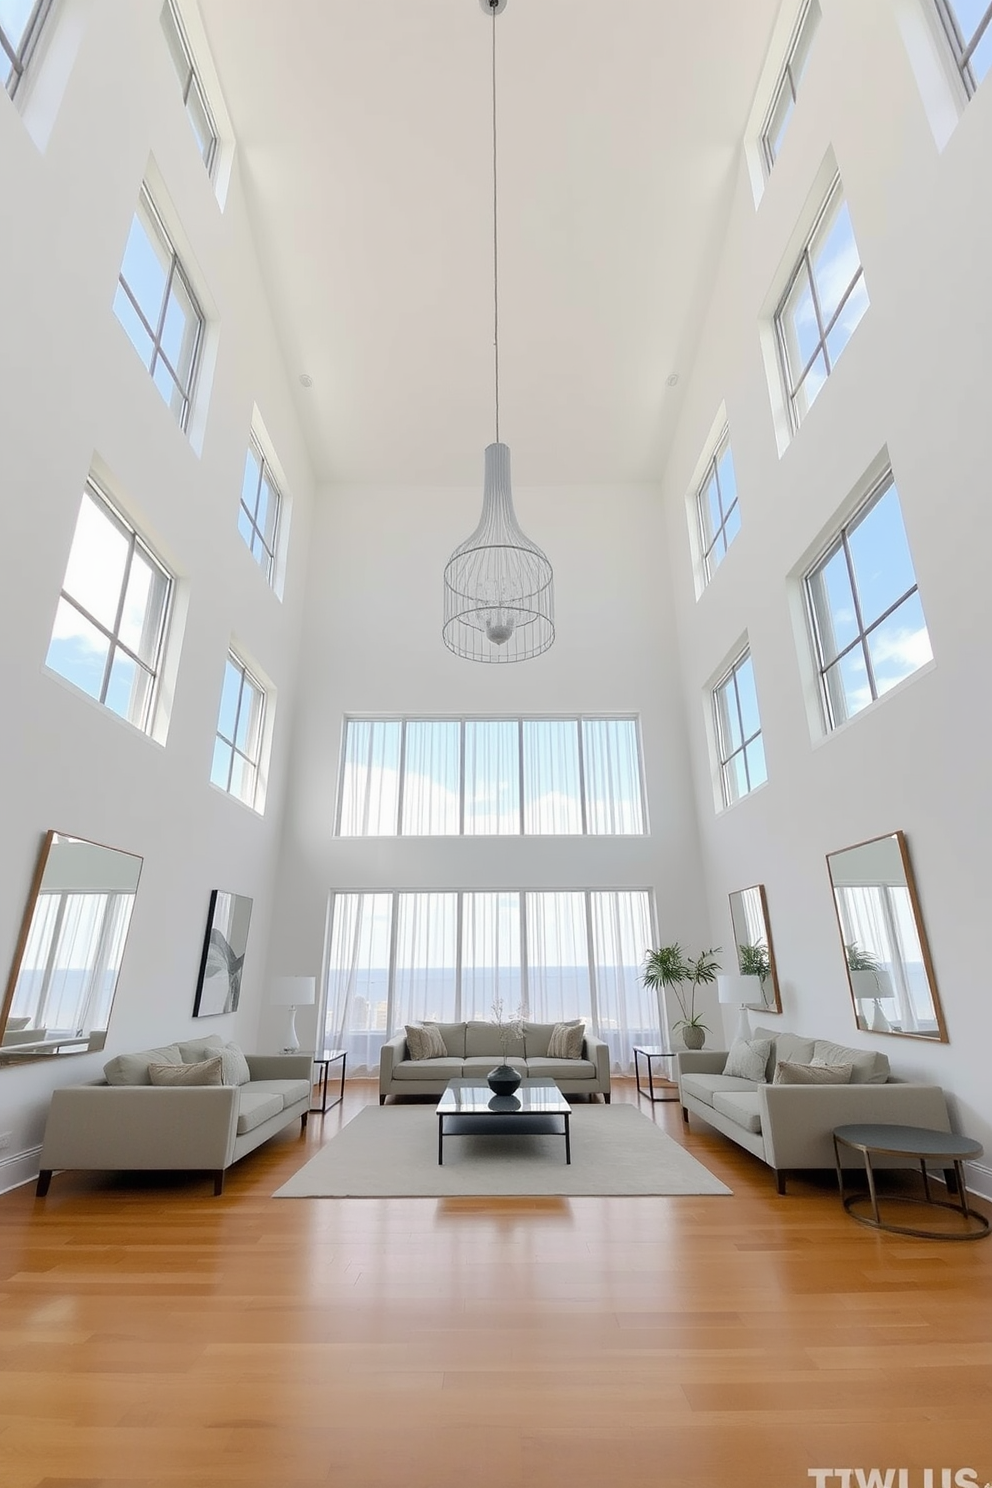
<point x="382" y="1100"/>
<point x="606" y="1096"/>
<point x="780" y="1180"/>
<point x="44" y="1180"/>
<point x="218" y="1182"/>
<point x="685" y="1114"/>
<point x="303" y="1122"/>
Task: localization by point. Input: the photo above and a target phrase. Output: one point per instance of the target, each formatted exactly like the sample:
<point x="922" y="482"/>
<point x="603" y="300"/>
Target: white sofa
<point x="790" y="1126"/>
<point x="473" y="1049"/>
<point x="137" y="1125"/>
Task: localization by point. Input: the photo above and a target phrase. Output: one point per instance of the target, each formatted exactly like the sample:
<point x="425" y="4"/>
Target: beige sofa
<point x="473" y="1049"/>
<point x="133" y="1125"/>
<point x="790" y="1126"/>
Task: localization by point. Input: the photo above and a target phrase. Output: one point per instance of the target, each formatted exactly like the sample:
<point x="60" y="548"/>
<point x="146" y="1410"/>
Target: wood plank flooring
<point x="154" y="1336"/>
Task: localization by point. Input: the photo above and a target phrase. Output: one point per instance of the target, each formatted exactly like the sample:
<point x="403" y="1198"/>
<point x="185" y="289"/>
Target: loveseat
<point x="124" y="1122"/>
<point x="473" y="1049"/>
<point x="790" y="1126"/>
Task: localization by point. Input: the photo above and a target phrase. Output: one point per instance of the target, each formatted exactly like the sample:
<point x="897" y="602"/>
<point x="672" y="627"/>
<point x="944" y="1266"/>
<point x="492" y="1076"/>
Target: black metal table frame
<point x="527" y="1123"/>
<point x="326" y="1060"/>
<point x="876" y="1222"/>
<point x="649" y="1093"/>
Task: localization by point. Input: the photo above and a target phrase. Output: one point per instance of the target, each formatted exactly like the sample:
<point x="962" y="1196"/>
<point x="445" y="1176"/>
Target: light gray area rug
<point x="391" y="1152"/>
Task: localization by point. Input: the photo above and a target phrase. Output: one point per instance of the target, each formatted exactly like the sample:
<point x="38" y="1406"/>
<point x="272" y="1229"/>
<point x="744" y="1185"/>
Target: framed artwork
<point x="218" y="986"/>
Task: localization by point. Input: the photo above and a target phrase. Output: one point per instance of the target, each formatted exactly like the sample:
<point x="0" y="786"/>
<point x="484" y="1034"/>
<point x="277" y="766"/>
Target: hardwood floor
<point x="154" y="1335"/>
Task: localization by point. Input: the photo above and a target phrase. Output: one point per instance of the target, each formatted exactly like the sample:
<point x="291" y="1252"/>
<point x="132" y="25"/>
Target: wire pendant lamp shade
<point x="498" y="584"/>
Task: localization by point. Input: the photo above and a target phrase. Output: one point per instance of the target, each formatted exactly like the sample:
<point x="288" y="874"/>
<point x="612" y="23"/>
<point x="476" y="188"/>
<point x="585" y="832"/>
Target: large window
<point x="111" y="619"/>
<point x="397" y="958"/>
<point x="738" y="732"/>
<point x="717" y="513"/>
<point x="20" y="26"/>
<point x="156" y="306"/>
<point x="968" y="24"/>
<point x="783" y="102"/>
<point x="864" y="609"/>
<point x="433" y="777"/>
<point x="261" y="503"/>
<point x="822" y="305"/>
<point x="238" y="745"/>
<point x="197" y="108"/>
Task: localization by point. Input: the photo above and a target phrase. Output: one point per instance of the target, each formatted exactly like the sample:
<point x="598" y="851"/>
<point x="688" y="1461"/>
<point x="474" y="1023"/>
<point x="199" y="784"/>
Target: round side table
<point x="922" y="1145"/>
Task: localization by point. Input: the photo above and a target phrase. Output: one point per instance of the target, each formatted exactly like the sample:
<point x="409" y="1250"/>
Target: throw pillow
<point x="748" y="1058"/>
<point x="811" y="1074"/>
<point x="234" y="1065"/>
<point x="425" y="1041"/>
<point x="566" y="1040"/>
<point x="207" y="1072"/>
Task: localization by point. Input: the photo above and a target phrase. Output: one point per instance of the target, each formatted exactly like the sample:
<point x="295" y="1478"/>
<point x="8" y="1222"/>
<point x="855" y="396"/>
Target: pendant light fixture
<point x="498" y="585"/>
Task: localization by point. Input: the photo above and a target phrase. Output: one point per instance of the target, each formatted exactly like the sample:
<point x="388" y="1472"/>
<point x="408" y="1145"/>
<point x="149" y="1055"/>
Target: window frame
<point x="840" y="542"/>
<point x="19" y="57"/>
<point x="193" y="80"/>
<point x="135" y="543"/>
<point x="249" y="678"/>
<point x="724" y="753"/>
<point x="806" y="24"/>
<point x="712" y="471"/>
<point x="265" y="474"/>
<point x="962" y="51"/>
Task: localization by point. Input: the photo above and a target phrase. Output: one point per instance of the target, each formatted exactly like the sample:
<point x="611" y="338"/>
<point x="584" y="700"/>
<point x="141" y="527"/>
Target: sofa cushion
<point x="483" y="1038"/>
<point x="703" y="1087"/>
<point x="537" y="1037"/>
<point x="288" y="1091"/>
<point x="193" y="1050"/>
<point x="256" y="1106"/>
<point x="132" y="1069"/>
<point x="868" y="1068"/>
<point x="566" y="1040"/>
<point x="424" y="1042"/>
<point x="748" y="1059"/>
<point x="437" y="1071"/>
<point x="791" y="1047"/>
<point x="453" y="1035"/>
<point x="812" y="1074"/>
<point x="743" y="1107"/>
<point x="236" y="1071"/>
<point x="206" y="1072"/>
<point x="478" y="1067"/>
<point x="560" y="1069"/>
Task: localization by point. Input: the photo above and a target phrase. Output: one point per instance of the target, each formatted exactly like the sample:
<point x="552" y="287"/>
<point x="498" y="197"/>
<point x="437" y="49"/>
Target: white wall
<point x="106" y="98"/>
<point x="914" y="379"/>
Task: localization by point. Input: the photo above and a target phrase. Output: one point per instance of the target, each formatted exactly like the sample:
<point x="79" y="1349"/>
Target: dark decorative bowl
<point x="503" y="1080"/>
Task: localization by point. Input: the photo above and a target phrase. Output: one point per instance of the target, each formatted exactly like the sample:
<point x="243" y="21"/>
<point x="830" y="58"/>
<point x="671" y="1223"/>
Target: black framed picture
<point x="218" y="986"/>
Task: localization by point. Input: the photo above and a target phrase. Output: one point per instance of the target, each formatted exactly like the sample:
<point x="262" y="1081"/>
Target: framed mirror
<point x="755" y="953"/>
<point x="889" y="968"/>
<point x="68" y="957"/>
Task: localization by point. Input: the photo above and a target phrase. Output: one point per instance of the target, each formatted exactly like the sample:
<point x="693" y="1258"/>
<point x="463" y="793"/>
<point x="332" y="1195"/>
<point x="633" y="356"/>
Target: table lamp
<point x="733" y="988"/>
<point x="292" y="992"/>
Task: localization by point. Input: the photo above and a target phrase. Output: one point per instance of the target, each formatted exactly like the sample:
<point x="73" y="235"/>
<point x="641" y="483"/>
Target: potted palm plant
<point x="669" y="966"/>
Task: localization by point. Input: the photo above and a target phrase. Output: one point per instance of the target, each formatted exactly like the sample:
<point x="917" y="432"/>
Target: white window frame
<point x="962" y="50"/>
<point x="19" y="57"/>
<point x="726" y="753"/>
<point x="806" y="24"/>
<point x="707" y="567"/>
<point x="253" y="756"/>
<point x="267" y="475"/>
<point x="192" y="82"/>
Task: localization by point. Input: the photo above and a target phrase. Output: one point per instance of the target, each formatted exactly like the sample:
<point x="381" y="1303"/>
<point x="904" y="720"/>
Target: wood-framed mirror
<point x="889" y="967"/>
<point x="754" y="948"/>
<point x="68" y="956"/>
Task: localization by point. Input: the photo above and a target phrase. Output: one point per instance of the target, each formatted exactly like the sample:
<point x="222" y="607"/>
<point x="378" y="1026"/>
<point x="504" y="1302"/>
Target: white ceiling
<point x="364" y="132"/>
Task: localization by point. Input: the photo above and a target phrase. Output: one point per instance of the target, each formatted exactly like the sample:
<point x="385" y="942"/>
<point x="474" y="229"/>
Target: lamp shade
<point x="294" y="991"/>
<point x="736" y="989"/>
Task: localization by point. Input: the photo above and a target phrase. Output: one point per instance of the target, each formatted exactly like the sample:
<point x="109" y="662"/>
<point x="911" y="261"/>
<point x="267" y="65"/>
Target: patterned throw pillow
<point x="566" y="1040"/>
<point x="812" y="1074"/>
<point x="207" y="1072"/>
<point x="424" y="1041"/>
<point x="747" y="1059"/>
<point x="235" y="1065"/>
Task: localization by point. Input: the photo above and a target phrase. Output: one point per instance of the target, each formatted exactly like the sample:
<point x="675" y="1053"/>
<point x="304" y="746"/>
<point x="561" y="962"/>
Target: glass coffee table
<point x="538" y="1109"/>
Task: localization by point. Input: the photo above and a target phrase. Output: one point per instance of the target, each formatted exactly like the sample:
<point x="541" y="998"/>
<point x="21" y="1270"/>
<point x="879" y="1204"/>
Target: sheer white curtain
<point x="370" y="783"/>
<point x="71" y="961"/>
<point x="558" y="981"/>
<point x="425" y="980"/>
<point x="492" y="777"/>
<point x="627" y="1013"/>
<point x="612" y="769"/>
<point x="490" y="954"/>
<point x="552" y="796"/>
<point x="357" y="994"/>
<point x="879" y="918"/>
<point x="431" y="778"/>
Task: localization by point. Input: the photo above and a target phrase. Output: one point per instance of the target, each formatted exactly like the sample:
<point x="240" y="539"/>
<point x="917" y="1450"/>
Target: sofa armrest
<point x="699" y="1062"/>
<point x="140" y="1126"/>
<point x="597" y="1051"/>
<point x="797" y="1121"/>
<point x="393" y="1052"/>
<point x="280" y="1066"/>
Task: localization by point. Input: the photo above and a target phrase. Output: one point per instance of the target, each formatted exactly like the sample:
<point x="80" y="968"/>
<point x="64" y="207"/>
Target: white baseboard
<point x="18" y="1168"/>
<point x="978" y="1177"/>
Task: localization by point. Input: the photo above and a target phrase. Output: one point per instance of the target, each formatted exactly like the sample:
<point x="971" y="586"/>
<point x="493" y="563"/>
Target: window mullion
<point x="591" y="953"/>
<point x="584" y="815"/>
<point x="524" y="953"/>
<point x="461" y="777"/>
<point x="391" y="973"/>
<point x="401" y="786"/>
<point x="520" y="775"/>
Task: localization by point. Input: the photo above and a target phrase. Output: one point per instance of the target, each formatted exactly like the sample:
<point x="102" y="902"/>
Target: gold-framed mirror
<point x="889" y="967"/>
<point x="68" y="956"/>
<point x="755" y="952"/>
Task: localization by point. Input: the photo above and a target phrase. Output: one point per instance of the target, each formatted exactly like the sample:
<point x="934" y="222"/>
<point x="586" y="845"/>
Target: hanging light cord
<point x="495" y="243"/>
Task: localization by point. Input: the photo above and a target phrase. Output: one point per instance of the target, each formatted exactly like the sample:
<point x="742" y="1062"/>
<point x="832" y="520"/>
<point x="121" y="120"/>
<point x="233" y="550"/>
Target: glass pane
<point x="853" y="309"/>
<point x="551" y="777"/>
<point x="727" y="720"/>
<point x="804" y="44"/>
<point x="728" y="480"/>
<point x="709" y="509"/>
<point x="251" y="481"/>
<point x="229" y="697"/>
<point x="242" y="779"/>
<point x="14" y="18"/>
<point x="244" y="525"/>
<point x="748" y="698"/>
<point x="734" y="779"/>
<point x="812" y="383"/>
<point x="144" y="607"/>
<point x="199" y="118"/>
<point x="370" y="778"/>
<point x="128" y="689"/>
<point x="833" y="605"/>
<point x="492" y="779"/>
<point x="146" y="265"/>
<point x="95" y="573"/>
<point x="900" y="645"/>
<point x="834" y="258"/>
<point x="557" y="956"/>
<point x="134" y="326"/>
<point x="78" y="651"/>
<point x="799" y="323"/>
<point x="778" y="121"/>
<point x="221" y="764"/>
<point x="612" y="776"/>
<point x="176" y="49"/>
<point x="847" y="686"/>
<point x="249" y="720"/>
<point x="490" y="952"/>
<point x="431" y="778"/>
<point x="756" y="768"/>
<point x="968" y="14"/>
<point x="628" y="1012"/>
<point x="179" y="331"/>
<point x="268" y="512"/>
<point x="424" y="984"/>
<point x="732" y="525"/>
<point x="883" y="568"/>
<point x="167" y="386"/>
<point x="981" y="57"/>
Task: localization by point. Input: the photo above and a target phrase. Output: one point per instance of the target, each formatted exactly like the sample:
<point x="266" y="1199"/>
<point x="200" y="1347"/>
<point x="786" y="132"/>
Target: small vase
<point x="503" y="1080"/>
<point x="694" y="1038"/>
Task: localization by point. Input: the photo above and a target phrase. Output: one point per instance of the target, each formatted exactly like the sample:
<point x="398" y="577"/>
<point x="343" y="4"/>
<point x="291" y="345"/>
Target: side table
<point x="921" y="1145"/>
<point x="324" y="1060"/>
<point x="650" y="1052"/>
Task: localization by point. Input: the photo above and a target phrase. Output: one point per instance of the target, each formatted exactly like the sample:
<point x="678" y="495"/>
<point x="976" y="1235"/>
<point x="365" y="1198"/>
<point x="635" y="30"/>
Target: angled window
<point x="261" y="503"/>
<point x="783" y="102"/>
<point x="864" y="608"/>
<point x="111" y="619"/>
<point x="968" y="24"/>
<point x="824" y="302"/>
<point x="238" y="746"/>
<point x="20" y="26"/>
<point x="738" y="732"/>
<point x="717" y="513"/>
<point x="194" y="97"/>
<point x="157" y="308"/>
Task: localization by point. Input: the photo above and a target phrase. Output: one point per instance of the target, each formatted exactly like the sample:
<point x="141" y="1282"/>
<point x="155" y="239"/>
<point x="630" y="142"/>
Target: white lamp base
<point x="291" y="1043"/>
<point x="743" y="1030"/>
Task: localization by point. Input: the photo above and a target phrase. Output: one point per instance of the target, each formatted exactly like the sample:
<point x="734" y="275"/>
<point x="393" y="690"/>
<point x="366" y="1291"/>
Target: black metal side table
<point x="324" y="1060"/>
<point x="650" y="1052"/>
<point x="921" y="1145"/>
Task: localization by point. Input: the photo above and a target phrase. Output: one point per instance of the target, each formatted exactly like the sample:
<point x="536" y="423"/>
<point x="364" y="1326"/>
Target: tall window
<point x="783" y="101"/>
<point x="738" y="732"/>
<point x="111" y="619"/>
<point x="825" y="300"/>
<point x="261" y="503"/>
<point x="156" y="306"/>
<point x="197" y="108"/>
<point x="396" y="958"/>
<point x="433" y="777"/>
<point x="20" y="26"/>
<point x="238" y="746"/>
<point x="968" y="24"/>
<point x="864" y="608"/>
<point x="717" y="512"/>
